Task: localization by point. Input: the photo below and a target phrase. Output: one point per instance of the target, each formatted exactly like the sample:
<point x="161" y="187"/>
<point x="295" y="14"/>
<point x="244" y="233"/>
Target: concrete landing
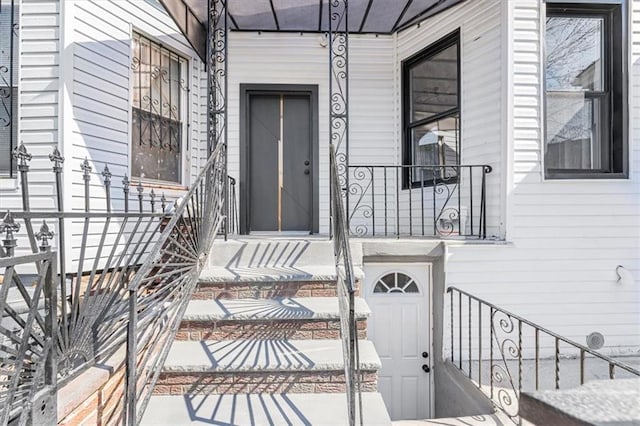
<point x="262" y="260"/>
<point x="264" y="355"/>
<point x="288" y="308"/>
<point x="261" y="409"/>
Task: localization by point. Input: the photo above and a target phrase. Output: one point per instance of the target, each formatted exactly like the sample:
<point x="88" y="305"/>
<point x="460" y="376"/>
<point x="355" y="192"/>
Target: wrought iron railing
<point x="346" y="290"/>
<point x="437" y="201"/>
<point x="505" y="354"/>
<point x="125" y="274"/>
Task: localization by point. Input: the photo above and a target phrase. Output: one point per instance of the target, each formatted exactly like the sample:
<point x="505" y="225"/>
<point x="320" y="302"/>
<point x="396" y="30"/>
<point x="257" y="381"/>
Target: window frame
<point x="615" y="148"/>
<point x="186" y="74"/>
<point x="443" y="43"/>
<point x="13" y="76"/>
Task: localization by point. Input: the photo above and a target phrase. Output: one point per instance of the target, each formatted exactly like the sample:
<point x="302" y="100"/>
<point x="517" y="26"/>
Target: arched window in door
<point x="396" y="282"/>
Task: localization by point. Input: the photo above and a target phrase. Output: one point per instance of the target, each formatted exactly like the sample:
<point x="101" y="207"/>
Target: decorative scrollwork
<point x="360" y="187"/>
<point x="504" y="328"/>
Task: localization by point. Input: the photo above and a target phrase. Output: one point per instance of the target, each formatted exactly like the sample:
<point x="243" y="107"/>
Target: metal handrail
<point x="346" y="290"/>
<point x="506" y="346"/>
<point x="418" y="200"/>
<point x="133" y="271"/>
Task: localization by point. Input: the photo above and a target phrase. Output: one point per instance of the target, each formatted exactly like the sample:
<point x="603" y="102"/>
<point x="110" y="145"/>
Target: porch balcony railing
<point x="425" y="201"/>
<point x="346" y="290"/>
<point x="116" y="285"/>
<point x="504" y="354"/>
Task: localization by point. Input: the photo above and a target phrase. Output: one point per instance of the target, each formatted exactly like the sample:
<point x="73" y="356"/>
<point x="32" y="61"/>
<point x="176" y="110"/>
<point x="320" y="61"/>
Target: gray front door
<point x="280" y="172"/>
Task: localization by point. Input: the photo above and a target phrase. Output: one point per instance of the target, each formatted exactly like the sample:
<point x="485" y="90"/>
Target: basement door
<point x="279" y="162"/>
<point x="400" y="329"/>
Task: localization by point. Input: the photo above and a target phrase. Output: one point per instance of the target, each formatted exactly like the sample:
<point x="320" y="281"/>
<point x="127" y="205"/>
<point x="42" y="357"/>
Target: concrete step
<point x="271" y="366"/>
<point x="496" y="419"/>
<point x="262" y="259"/>
<point x="261" y="409"/>
<point x="278" y="318"/>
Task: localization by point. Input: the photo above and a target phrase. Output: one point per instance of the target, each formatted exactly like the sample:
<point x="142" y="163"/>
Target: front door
<point x="279" y="162"/>
<point x="400" y="330"/>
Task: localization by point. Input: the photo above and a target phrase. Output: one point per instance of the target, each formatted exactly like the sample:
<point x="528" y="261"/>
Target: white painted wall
<point x="565" y="237"/>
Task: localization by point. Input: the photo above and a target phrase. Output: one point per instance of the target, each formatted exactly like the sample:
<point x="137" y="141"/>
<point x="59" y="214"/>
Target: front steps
<point x="260" y="343"/>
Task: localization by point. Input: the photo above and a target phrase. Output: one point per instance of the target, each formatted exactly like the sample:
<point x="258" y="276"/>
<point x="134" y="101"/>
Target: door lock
<point x="425" y="354"/>
<point x="425" y="368"/>
<point x="306" y="163"/>
<point x="306" y="171"/>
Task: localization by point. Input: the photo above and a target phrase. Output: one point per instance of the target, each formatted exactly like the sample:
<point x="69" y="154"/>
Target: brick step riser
<point x="252" y="290"/>
<point x="295" y="329"/>
<point x="259" y="382"/>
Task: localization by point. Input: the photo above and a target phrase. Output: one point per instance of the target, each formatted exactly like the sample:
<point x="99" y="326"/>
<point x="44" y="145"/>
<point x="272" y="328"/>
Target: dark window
<point x="158" y="109"/>
<point x="585" y="91"/>
<point x="8" y="84"/>
<point x="431" y="87"/>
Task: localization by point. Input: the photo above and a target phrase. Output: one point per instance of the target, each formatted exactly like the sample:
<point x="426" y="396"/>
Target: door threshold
<point x="280" y="233"/>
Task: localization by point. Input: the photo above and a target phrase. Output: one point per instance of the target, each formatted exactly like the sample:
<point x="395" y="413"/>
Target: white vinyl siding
<point x="566" y="237"/>
<point x="38" y="73"/>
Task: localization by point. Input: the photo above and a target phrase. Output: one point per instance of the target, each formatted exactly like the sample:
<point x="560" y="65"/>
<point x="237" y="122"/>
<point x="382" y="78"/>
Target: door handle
<point x="425" y="354"/>
<point x="306" y="171"/>
<point x="425" y="368"/>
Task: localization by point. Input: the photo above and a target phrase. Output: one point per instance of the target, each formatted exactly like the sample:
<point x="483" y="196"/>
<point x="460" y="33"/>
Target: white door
<point x="398" y="295"/>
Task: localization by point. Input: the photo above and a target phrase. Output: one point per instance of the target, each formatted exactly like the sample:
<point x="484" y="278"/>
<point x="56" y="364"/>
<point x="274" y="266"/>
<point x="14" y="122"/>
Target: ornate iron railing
<point x="346" y="289"/>
<point x="125" y="274"/>
<point x="505" y="354"/>
<point x="27" y="339"/>
<point x="437" y="201"/>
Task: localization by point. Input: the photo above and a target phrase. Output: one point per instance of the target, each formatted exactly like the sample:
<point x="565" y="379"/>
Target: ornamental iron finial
<point x="125" y="183"/>
<point x="57" y="159"/>
<point x="152" y="200"/>
<point x="163" y="203"/>
<point x="44" y="235"/>
<point x="107" y="175"/>
<point x="23" y="157"/>
<point x="9" y="226"/>
<point x="86" y="169"/>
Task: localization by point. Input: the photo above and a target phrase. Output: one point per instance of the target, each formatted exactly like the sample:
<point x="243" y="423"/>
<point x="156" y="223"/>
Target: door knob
<point x="425" y="368"/>
<point x="306" y="171"/>
<point x="425" y="354"/>
<point x="306" y="163"/>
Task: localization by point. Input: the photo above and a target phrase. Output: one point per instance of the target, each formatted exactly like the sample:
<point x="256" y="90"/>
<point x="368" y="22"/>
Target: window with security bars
<point x="8" y="84"/>
<point x="159" y="99"/>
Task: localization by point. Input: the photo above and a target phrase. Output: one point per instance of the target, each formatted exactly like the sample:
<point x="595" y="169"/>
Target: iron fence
<point x="346" y="290"/>
<point x="124" y="275"/>
<point x="505" y="354"/>
<point x="438" y="201"/>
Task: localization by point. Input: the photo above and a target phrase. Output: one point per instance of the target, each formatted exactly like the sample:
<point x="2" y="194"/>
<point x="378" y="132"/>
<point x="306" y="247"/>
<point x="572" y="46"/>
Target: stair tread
<point x="261" y="409"/>
<point x="271" y="273"/>
<point x="264" y="355"/>
<point x="280" y="308"/>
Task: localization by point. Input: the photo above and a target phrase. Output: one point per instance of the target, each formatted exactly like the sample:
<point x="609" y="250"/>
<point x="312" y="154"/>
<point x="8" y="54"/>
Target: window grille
<point x="9" y="27"/>
<point x="159" y="87"/>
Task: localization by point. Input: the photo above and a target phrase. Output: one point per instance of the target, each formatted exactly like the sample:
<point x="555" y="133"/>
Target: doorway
<point x="400" y="329"/>
<point x="278" y="161"/>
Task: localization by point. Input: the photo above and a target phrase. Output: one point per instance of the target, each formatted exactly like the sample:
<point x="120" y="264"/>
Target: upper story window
<point x="159" y="111"/>
<point x="431" y="97"/>
<point x="585" y="83"/>
<point x="8" y="84"/>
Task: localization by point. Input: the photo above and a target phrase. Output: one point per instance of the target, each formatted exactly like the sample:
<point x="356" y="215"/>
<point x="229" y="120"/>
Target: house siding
<point x="482" y="110"/>
<point x="38" y="100"/>
<point x="565" y="238"/>
<point x="273" y="58"/>
<point x="97" y="81"/>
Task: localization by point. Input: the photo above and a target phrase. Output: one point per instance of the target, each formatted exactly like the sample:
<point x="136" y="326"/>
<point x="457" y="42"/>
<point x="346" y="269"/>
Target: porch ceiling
<point x="365" y="16"/>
